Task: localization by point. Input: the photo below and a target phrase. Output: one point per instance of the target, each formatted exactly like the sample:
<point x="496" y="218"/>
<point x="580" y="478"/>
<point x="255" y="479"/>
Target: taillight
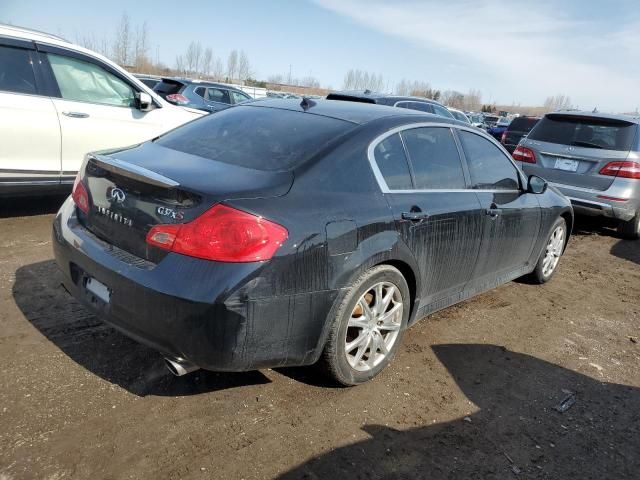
<point x="622" y="169"/>
<point x="177" y="98"/>
<point x="80" y="195"/>
<point x="524" y="154"/>
<point x="223" y="234"/>
<point x="503" y="138"/>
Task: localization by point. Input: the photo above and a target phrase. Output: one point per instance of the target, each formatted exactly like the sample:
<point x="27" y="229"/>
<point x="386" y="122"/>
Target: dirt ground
<point x="470" y="395"/>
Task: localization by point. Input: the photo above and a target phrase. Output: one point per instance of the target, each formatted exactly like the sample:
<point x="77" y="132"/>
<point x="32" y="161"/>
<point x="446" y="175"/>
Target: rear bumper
<point x="595" y="202"/>
<point x="201" y="311"/>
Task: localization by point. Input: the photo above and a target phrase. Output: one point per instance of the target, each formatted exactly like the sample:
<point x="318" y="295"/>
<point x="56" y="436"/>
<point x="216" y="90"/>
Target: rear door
<point x="29" y="128"/>
<point x="439" y="219"/>
<point x="511" y="216"/>
<point x="573" y="149"/>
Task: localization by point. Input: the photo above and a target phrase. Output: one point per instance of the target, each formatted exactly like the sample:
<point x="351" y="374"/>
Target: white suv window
<point x="87" y="82"/>
<point x="16" y="74"/>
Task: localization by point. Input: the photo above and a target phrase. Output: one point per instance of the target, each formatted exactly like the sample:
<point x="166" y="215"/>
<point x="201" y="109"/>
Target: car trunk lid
<point x="135" y="189"/>
<point x="573" y="149"/>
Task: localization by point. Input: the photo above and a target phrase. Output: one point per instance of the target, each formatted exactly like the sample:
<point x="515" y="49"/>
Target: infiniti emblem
<point x="116" y="195"/>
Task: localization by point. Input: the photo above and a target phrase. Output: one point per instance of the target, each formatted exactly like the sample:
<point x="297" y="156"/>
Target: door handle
<point x="493" y="212"/>
<point x="415" y="216"/>
<point x="76" y="114"/>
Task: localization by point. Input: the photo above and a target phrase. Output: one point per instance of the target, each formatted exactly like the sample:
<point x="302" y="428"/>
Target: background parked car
<point x="206" y="96"/>
<point x="518" y="128"/>
<point x="220" y="226"/>
<point x="412" y="103"/>
<point x="490" y="121"/>
<point x="59" y="101"/>
<point x="459" y="115"/>
<point x="593" y="158"/>
<point x="477" y="120"/>
<point x="499" y="128"/>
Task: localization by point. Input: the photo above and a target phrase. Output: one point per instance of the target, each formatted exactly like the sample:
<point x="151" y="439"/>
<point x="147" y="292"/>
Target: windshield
<point x="579" y="131"/>
<point x="261" y="138"/>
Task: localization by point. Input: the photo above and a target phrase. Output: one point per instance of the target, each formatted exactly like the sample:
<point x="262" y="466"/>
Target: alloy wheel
<point x="553" y="251"/>
<point x="374" y="326"/>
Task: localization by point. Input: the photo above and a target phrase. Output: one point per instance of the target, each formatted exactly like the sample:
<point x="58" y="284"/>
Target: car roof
<point x="354" y="112"/>
<point x="604" y="116"/>
<point x="374" y="96"/>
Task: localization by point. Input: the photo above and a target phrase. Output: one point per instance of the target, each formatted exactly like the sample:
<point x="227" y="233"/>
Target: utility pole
<point x="289" y="81"/>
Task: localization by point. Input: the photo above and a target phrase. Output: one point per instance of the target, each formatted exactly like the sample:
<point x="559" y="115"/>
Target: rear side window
<point x="420" y="106"/>
<point x="239" y="97"/>
<point x="522" y="124"/>
<point x="86" y="82"/>
<point x="443" y="112"/>
<point x="460" y="116"/>
<point x="16" y="74"/>
<point x="218" y="95"/>
<point x="256" y="137"/>
<point x="489" y="168"/>
<point x="434" y="157"/>
<point x="585" y="132"/>
<point x="392" y="162"/>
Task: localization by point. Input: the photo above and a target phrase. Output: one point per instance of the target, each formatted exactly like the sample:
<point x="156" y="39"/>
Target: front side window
<point x="392" y="162"/>
<point x="218" y="95"/>
<point x="200" y="91"/>
<point x="239" y="97"/>
<point x="16" y="72"/>
<point x="489" y="168"/>
<point x="86" y="82"/>
<point x="435" y="159"/>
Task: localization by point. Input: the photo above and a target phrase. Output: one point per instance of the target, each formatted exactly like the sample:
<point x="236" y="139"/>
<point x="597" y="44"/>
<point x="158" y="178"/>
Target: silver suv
<point x="593" y="158"/>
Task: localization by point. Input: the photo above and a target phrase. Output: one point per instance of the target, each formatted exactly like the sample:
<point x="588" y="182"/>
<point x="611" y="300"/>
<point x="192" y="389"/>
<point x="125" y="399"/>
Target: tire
<point x="366" y="329"/>
<point x="552" y="252"/>
<point x="630" y="230"/>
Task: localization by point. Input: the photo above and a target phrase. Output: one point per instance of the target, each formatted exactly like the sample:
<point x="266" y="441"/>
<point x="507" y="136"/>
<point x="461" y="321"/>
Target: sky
<point x="514" y="51"/>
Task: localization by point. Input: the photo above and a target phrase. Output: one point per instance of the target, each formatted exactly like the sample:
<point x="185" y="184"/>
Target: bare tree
<point x="122" y="43"/>
<point x="141" y="48"/>
<point x="207" y="61"/>
<point x="310" y="81"/>
<point x="557" y="102"/>
<point x="218" y="69"/>
<point x="362" y="80"/>
<point x="453" y="99"/>
<point x="244" y="67"/>
<point x="473" y="100"/>
<point x="193" y="58"/>
<point x="181" y="66"/>
<point x="232" y="64"/>
<point x="276" y="78"/>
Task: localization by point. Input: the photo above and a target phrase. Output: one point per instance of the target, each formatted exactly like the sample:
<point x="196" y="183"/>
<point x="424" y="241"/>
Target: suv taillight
<point x="80" y="195"/>
<point x="524" y="154"/>
<point x="177" y="98"/>
<point x="223" y="234"/>
<point x="623" y="169"/>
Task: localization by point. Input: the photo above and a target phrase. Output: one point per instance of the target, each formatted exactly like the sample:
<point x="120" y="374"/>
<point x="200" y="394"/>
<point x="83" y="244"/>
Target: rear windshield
<point x="585" y="132"/>
<point x="523" y="124"/>
<point x="168" y="87"/>
<point x="261" y="138"/>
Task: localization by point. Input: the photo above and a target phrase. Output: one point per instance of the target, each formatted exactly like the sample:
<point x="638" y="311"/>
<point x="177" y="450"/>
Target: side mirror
<point x="144" y="101"/>
<point x="536" y="185"/>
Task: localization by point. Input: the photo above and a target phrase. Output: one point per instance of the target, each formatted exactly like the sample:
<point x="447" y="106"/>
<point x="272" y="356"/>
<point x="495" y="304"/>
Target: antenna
<point x="307" y="103"/>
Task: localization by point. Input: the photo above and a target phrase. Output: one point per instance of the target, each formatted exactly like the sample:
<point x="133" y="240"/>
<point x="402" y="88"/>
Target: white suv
<point x="59" y="101"/>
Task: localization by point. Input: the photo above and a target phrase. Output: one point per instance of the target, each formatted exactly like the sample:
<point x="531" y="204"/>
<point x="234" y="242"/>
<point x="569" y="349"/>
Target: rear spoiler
<point x="130" y="170"/>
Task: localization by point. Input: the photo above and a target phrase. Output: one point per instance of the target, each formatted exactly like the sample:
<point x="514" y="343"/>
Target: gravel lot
<point x="470" y="395"/>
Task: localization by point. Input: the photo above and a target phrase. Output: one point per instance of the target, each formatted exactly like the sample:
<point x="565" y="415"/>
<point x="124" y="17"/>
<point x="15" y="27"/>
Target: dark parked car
<point x="421" y="104"/>
<point x="322" y="239"/>
<point x="593" y="158"/>
<point x="499" y="128"/>
<point x="207" y="96"/>
<point x="518" y="128"/>
<point x="149" y="80"/>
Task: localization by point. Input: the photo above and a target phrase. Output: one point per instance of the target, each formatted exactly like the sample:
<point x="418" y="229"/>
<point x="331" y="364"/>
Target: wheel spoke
<point x="386" y="300"/>
<point x="361" y="351"/>
<point x="358" y="322"/>
<point x="377" y="305"/>
<point x="387" y="318"/>
<point x="383" y="347"/>
<point x="362" y="338"/>
<point x="366" y="309"/>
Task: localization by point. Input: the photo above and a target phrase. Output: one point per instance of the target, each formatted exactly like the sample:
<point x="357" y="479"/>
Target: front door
<point x="96" y="110"/>
<point x="511" y="216"/>
<point x="437" y="217"/>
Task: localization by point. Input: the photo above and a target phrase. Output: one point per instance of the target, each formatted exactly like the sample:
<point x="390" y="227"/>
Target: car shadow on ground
<point x="30" y="206"/>
<point x="627" y="250"/>
<point x="515" y="433"/>
<point x="586" y="225"/>
<point x="103" y="350"/>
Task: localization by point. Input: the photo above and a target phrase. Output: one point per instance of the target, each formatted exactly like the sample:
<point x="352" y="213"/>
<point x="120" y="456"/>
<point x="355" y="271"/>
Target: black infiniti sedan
<point x="289" y="233"/>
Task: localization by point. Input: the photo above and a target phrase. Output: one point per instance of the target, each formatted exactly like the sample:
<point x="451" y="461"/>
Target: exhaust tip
<point x="179" y="367"/>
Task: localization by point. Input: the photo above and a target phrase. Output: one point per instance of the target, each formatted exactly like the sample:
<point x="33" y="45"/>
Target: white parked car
<point x="59" y="101"/>
<point x="459" y="115"/>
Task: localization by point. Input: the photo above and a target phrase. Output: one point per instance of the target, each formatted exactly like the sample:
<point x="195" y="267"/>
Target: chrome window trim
<point x="383" y="184"/>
